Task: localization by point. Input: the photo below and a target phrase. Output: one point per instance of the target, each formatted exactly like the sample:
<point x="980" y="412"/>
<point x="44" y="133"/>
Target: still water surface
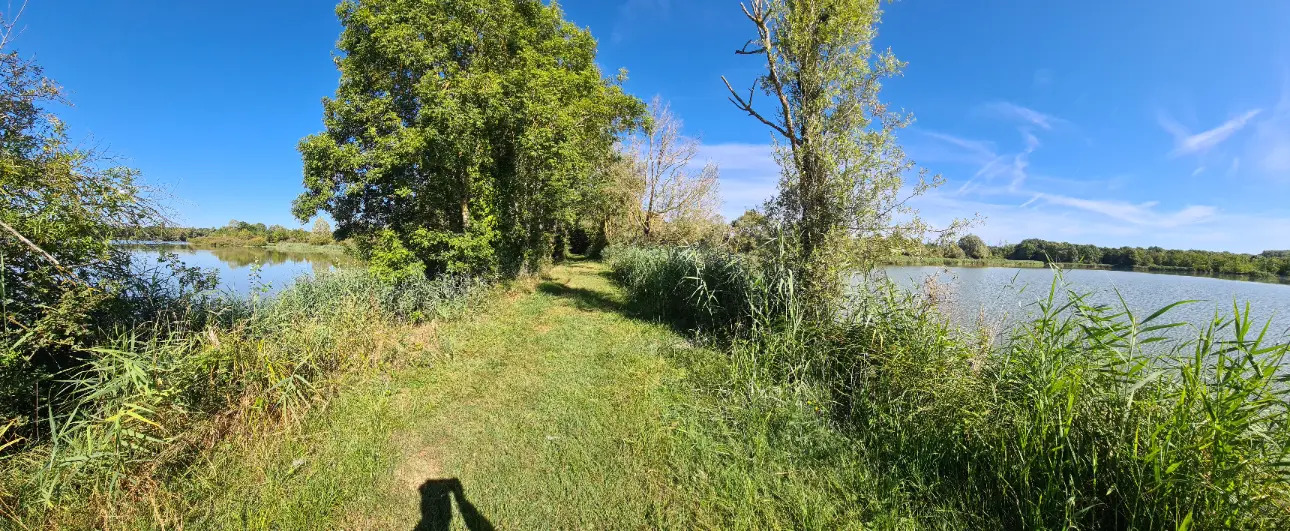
<point x="1003" y="296"/>
<point x="236" y="265"/>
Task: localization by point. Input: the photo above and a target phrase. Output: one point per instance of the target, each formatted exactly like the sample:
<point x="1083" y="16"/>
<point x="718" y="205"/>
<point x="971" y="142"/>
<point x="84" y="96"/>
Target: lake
<point x="1004" y="296"/>
<point x="235" y="265"/>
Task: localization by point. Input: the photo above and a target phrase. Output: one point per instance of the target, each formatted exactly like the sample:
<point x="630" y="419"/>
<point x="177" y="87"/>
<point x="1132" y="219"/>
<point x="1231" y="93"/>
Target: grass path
<point x="546" y="406"/>
<point x="550" y="407"/>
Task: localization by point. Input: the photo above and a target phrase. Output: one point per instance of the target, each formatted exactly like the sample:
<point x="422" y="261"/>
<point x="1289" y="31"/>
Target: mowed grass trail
<point x="549" y="407"/>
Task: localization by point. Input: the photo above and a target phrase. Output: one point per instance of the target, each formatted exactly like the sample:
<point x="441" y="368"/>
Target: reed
<point x="144" y="405"/>
<point x="1086" y="416"/>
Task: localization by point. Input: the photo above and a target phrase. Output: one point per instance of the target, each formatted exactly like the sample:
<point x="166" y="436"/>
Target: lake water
<point x="1000" y="297"/>
<point x="236" y="266"/>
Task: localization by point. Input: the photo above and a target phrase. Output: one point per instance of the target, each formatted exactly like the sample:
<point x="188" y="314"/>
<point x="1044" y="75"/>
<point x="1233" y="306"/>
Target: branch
<point x="33" y="246"/>
<point x="746" y="106"/>
<point x="746" y="51"/>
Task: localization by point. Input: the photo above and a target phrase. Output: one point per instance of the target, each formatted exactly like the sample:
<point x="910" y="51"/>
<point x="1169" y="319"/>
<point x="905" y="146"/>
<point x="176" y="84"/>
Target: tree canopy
<point x="464" y="134"/>
<point x="843" y="173"/>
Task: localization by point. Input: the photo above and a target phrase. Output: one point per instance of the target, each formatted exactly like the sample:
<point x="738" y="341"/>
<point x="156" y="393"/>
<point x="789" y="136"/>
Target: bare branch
<point x="746" y="106"/>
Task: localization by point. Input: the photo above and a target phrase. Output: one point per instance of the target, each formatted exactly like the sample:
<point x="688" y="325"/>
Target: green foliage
<point x="953" y="251"/>
<point x="462" y="125"/>
<point x="973" y="247"/>
<point x="138" y="409"/>
<point x="390" y="260"/>
<point x="842" y="188"/>
<point x="62" y="282"/>
<point x="1268" y="264"/>
<point x="1088" y="416"/>
<point x="243" y="234"/>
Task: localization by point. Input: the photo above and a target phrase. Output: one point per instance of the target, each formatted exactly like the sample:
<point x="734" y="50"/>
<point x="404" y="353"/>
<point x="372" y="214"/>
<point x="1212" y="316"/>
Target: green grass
<point x="566" y="402"/>
<point x="297" y="247"/>
<point x="553" y="407"/>
<point x="134" y="419"/>
<point x="1089" y="416"/>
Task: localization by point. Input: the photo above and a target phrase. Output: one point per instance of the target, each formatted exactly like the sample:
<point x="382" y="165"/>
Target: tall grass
<point x="144" y="405"/>
<point x="1086" y="416"/>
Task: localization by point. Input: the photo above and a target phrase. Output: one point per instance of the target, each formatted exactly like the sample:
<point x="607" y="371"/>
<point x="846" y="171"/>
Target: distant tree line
<point x="1153" y="258"/>
<point x="1268" y="262"/>
<point x="234" y="234"/>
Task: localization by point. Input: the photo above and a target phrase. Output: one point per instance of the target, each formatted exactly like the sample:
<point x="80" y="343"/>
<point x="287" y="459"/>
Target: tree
<point x="950" y="250"/>
<point x="463" y="135"/>
<point x="749" y="231"/>
<point x="321" y="230"/>
<point x="670" y="190"/>
<point x="974" y="247"/>
<point x="842" y="171"/>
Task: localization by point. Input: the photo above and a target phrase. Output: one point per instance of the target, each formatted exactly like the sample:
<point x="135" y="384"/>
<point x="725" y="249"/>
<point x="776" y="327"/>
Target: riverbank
<point x="1083" y="417"/>
<point x="218" y="242"/>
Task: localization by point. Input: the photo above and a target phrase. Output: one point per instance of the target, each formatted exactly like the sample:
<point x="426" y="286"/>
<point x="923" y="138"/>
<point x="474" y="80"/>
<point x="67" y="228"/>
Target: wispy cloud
<point x="749" y="174"/>
<point x="991" y="165"/>
<point x="738" y="156"/>
<point x="1249" y="232"/>
<point x="1186" y="143"/>
<point x="1143" y="214"/>
<point x="1011" y="111"/>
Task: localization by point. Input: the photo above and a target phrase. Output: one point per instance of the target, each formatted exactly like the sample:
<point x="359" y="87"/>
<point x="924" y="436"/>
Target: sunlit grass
<point x="1088" y="416"/>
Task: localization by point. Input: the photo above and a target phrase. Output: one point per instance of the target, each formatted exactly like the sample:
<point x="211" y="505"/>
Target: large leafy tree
<point x="463" y="135"/>
<point x="843" y="188"/>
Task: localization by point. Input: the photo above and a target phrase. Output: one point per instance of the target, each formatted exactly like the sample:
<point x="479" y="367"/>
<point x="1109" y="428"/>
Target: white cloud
<point x="736" y="156"/>
<point x="992" y="166"/>
<point x="1271" y="143"/>
<point x="749" y="174"/>
<point x="1012" y="111"/>
<point x="1186" y="143"/>
<point x="1143" y="214"/>
<point x="1040" y="218"/>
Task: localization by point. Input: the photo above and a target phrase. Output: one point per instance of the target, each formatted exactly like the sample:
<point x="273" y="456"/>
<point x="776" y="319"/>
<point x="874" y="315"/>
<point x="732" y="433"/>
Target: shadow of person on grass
<point x="436" y="507"/>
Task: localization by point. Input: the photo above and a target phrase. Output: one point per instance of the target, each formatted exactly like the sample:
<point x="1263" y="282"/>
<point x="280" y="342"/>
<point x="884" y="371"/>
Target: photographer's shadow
<point x="436" y="507"/>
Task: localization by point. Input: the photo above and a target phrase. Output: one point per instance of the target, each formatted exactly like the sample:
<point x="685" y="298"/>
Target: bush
<point x="701" y="288"/>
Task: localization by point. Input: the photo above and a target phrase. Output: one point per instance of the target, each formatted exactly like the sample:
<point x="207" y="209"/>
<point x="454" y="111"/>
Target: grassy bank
<point x="297" y="247"/>
<point x="133" y="422"/>
<point x="1067" y="423"/>
<point x="960" y="262"/>
<point x="217" y="242"/>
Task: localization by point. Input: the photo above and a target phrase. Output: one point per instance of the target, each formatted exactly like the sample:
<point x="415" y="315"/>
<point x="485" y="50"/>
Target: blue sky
<point x="1107" y="122"/>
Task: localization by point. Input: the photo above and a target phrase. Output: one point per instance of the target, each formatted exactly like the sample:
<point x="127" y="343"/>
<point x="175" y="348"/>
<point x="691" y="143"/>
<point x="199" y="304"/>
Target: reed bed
<point x="1088" y="416"/>
<point x="144" y="404"/>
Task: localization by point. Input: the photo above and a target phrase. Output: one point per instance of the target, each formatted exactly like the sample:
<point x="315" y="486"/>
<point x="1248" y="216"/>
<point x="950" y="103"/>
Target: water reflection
<point x="243" y="269"/>
<point x="1001" y="297"/>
